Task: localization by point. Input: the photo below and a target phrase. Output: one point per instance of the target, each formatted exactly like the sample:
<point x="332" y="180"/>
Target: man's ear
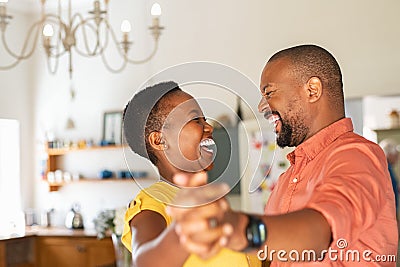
<point x="156" y="141"/>
<point x="314" y="88"/>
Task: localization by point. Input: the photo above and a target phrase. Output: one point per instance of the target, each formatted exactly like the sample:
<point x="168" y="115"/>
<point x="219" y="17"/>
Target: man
<point x="336" y="196"/>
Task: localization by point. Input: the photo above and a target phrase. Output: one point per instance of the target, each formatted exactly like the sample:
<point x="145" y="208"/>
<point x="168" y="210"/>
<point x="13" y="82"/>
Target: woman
<point x="167" y="126"/>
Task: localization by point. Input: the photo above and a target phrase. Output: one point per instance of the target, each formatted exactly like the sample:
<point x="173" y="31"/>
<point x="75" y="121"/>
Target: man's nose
<point x="263" y="105"/>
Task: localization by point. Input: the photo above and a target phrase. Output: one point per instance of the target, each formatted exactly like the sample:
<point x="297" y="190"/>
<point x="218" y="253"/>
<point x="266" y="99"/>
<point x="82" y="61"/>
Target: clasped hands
<point x="203" y="218"/>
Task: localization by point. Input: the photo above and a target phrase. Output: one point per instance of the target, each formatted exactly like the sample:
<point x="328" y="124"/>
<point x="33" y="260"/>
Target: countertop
<point x="53" y="231"/>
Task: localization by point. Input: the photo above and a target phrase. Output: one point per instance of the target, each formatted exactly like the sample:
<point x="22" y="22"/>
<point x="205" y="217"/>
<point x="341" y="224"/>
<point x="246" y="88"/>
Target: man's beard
<point x="284" y="138"/>
<point x="292" y="134"/>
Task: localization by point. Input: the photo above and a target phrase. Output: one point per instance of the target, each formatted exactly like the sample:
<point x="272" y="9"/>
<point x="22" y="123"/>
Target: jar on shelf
<point x="394" y="119"/>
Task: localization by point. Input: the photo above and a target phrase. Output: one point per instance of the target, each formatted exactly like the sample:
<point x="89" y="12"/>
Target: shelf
<point x="387" y="130"/>
<point x="93" y="180"/>
<point x="57" y="186"/>
<point x="54" y="157"/>
<point x="63" y="151"/>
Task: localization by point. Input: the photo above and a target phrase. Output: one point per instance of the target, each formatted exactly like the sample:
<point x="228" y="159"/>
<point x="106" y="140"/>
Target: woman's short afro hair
<point x="144" y="114"/>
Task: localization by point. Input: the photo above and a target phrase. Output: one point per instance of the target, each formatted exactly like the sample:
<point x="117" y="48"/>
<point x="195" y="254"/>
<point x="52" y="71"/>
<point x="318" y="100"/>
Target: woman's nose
<point x="208" y="128"/>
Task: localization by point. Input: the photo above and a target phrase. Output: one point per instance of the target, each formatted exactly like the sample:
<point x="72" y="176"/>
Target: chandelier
<point x="87" y="36"/>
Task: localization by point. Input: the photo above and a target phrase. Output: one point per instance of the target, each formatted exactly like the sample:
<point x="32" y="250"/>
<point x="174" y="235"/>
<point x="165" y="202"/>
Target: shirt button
<point x="294" y="180"/>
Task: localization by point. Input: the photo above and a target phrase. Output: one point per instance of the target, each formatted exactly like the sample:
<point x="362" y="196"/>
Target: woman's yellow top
<point x="155" y="198"/>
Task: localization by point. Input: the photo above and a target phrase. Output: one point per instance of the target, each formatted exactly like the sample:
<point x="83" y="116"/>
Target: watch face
<point x="256" y="232"/>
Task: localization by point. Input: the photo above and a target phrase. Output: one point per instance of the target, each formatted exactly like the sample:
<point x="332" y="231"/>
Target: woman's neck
<point x="166" y="171"/>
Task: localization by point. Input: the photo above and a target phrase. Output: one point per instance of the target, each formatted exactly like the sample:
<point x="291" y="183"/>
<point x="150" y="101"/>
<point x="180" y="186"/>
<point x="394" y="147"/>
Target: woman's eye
<point x="199" y="119"/>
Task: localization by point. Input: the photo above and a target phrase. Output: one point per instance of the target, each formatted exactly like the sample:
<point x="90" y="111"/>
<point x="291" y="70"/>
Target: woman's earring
<point x="164" y="144"/>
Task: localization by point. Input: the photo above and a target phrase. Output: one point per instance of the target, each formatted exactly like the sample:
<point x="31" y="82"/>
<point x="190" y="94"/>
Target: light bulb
<point x="48" y="30"/>
<point x="126" y="26"/>
<point x="3" y="1"/>
<point x="156" y="10"/>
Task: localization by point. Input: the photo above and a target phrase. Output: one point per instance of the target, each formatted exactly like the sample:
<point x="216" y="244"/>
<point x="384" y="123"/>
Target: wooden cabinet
<point x="75" y="251"/>
<point x="18" y="252"/>
<point x="54" y="159"/>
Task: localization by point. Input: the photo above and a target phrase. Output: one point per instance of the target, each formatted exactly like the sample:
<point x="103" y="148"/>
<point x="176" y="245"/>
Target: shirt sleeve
<point x="140" y="203"/>
<point x="353" y="192"/>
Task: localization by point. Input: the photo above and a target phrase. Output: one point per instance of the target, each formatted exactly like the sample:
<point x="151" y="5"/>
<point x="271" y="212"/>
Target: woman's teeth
<point x="208" y="145"/>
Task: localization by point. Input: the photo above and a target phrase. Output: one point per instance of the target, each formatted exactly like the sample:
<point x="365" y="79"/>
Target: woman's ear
<point x="314" y="87"/>
<point x="156" y="141"/>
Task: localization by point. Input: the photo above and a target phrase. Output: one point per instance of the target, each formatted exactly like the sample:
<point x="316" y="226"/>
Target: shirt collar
<point x="316" y="143"/>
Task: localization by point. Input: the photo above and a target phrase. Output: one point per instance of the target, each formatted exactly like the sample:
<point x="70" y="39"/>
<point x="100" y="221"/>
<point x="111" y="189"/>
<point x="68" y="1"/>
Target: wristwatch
<point x="256" y="232"/>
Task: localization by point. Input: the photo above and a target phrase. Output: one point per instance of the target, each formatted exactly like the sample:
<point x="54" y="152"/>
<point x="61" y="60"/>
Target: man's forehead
<point x="277" y="64"/>
<point x="274" y="68"/>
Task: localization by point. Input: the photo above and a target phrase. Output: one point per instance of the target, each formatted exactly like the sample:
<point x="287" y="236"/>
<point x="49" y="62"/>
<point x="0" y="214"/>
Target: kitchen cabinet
<point x="18" y="252"/>
<point x="55" y="158"/>
<point x="392" y="133"/>
<point x="63" y="251"/>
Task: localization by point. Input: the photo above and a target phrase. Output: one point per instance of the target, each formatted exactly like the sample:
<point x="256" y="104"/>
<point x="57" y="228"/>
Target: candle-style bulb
<point x="48" y="30"/>
<point x="126" y="26"/>
<point x="156" y="10"/>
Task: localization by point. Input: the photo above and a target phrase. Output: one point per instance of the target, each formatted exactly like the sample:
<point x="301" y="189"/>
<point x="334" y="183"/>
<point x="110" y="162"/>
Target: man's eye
<point x="268" y="94"/>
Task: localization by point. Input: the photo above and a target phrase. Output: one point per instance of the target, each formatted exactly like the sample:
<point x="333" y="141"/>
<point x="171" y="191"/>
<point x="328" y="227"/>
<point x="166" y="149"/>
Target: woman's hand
<point x="199" y="215"/>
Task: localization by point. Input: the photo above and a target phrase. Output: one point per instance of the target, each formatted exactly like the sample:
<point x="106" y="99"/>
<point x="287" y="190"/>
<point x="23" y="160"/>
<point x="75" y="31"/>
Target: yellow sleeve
<point x="142" y="202"/>
<point x="153" y="198"/>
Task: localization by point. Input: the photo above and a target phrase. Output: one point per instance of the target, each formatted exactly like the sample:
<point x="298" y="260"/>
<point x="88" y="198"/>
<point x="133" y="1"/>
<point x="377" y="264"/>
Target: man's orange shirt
<point x="344" y="177"/>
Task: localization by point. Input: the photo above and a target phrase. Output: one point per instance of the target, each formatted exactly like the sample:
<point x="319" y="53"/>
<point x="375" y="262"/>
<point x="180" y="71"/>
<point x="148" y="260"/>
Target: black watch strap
<point x="256" y="232"/>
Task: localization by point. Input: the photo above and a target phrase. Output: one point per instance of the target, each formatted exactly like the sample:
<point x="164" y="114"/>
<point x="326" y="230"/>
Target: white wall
<point x="16" y="102"/>
<point x="363" y="35"/>
<point x="376" y="111"/>
<point x="354" y="110"/>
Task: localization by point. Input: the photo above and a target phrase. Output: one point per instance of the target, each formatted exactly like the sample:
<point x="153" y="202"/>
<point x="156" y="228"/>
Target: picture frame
<point x="112" y="127"/>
